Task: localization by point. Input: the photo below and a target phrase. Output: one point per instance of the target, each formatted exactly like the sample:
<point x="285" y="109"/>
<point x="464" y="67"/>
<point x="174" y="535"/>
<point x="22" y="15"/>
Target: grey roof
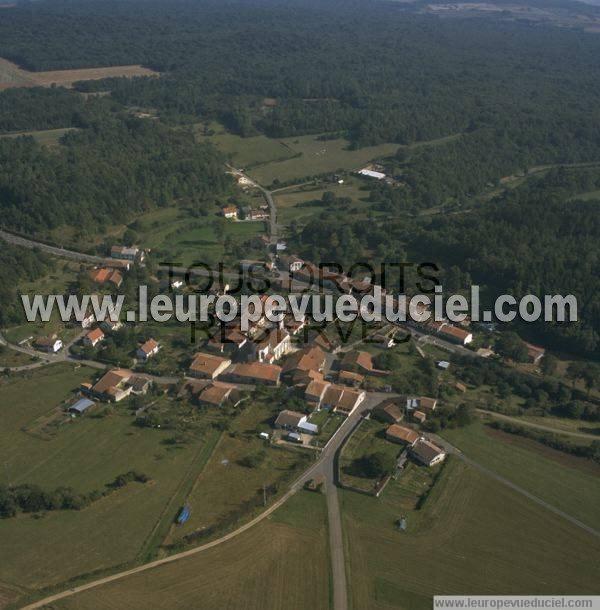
<point x="294" y="436"/>
<point x="308" y="427"/>
<point x="82" y="405"/>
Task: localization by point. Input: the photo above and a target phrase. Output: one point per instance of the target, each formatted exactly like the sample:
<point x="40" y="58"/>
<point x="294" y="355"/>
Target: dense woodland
<point x="504" y="96"/>
<point x="534" y="239"/>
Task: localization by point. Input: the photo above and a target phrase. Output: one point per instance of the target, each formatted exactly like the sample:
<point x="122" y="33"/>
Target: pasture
<point x="12" y="75"/>
<point x="569" y="489"/>
<point x="228" y="491"/>
<point x="281" y="562"/>
<point x="471" y="536"/>
<point x="86" y="453"/>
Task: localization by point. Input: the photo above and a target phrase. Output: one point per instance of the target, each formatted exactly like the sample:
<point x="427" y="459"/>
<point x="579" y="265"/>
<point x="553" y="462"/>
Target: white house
<point x="49" y="344"/>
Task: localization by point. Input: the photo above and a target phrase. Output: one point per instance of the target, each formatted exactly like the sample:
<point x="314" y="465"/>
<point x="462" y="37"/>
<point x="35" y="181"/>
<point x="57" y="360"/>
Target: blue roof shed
<point x="81" y="406"/>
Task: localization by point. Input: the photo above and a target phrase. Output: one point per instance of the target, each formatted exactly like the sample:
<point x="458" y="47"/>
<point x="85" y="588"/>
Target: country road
<point x="523" y="422"/>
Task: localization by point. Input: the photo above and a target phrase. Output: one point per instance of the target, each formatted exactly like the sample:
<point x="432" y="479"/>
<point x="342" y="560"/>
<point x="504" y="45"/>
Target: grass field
<point x="318" y="157"/>
<point x="566" y="488"/>
<point x="10" y="358"/>
<point x="472" y="536"/>
<point x="47" y="137"/>
<point x="368" y="438"/>
<point x="225" y="484"/>
<point x="280" y="563"/>
<point x="293" y="204"/>
<point x="85" y="454"/>
<point x="13" y="76"/>
<point x="245" y="152"/>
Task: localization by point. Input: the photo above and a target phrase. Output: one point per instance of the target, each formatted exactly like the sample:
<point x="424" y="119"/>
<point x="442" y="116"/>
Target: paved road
<point x="523" y="422"/>
<point x="31" y="244"/>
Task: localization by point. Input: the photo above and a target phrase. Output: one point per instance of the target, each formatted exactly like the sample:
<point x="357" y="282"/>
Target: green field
<point x="48" y="137"/>
<point x="280" y="563"/>
<point x="85" y="453"/>
<point x="368" y="438"/>
<point x="569" y="489"/>
<point x="10" y="358"/>
<point x="296" y="204"/>
<point x="245" y="152"/>
<point x="318" y="157"/>
<point x="472" y="536"/>
<point x="225" y="485"/>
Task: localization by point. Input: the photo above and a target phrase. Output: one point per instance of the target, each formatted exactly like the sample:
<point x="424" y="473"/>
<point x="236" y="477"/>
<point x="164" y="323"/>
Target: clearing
<point x="13" y="76"/>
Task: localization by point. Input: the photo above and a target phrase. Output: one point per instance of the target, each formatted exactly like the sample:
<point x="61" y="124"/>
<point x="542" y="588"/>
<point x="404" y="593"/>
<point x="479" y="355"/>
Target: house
<point x="307" y="359"/>
<point x="389" y="412"/>
<point x="93" y="338"/>
<point x="419" y="417"/>
<point x="110" y="326"/>
<point x="424" y="403"/>
<point x="103" y="275"/>
<point x="443" y="364"/>
<point x="81" y="406"/>
<point x="257" y="373"/>
<point x="216" y="394"/>
<point x="385" y="341"/>
<point x="88" y="319"/>
<point x="361" y="361"/>
<point x="113" y="385"/>
<point x="427" y="453"/>
<point x="535" y="352"/>
<point x="228" y="339"/>
<point x="230" y="211"/>
<point x="147" y="350"/>
<point x="341" y="399"/>
<point x="400" y="434"/>
<point x="314" y="392"/>
<point x="116" y="263"/>
<point x="455" y="334"/>
<point x="274" y="346"/>
<point x="351" y="379"/>
<point x="485" y="352"/>
<point x="294" y="264"/>
<point x="208" y="366"/>
<point x="126" y="253"/>
<point x="289" y="420"/>
<point x="51" y="345"/>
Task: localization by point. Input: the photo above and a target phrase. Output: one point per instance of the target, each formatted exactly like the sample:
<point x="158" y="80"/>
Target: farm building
<point x="81" y="406"/>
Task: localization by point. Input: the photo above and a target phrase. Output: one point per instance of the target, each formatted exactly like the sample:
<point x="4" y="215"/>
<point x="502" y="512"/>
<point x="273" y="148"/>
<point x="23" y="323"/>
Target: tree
<point x="374" y="465"/>
<point x="511" y="346"/>
<point x="549" y="364"/>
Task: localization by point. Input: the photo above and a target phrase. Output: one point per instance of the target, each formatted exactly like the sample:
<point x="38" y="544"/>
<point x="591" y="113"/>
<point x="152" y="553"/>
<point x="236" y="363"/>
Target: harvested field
<point x="13" y="76"/>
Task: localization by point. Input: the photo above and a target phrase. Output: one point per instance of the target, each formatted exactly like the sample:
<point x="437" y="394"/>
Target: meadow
<point x="472" y="535"/>
<point x="281" y="562"/>
<point x="40" y="550"/>
<point x="226" y="484"/>
<point x="572" y="490"/>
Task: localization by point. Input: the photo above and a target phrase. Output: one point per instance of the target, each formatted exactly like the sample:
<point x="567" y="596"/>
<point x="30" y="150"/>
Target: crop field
<point x="85" y="453"/>
<point x="228" y="491"/>
<point x="280" y="563"/>
<point x="569" y="489"/>
<point x="471" y="536"/>
<point x="47" y="137"/>
<point x="13" y="76"/>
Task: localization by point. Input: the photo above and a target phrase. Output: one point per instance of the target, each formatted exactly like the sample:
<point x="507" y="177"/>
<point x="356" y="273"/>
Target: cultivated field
<point x="280" y="563"/>
<point x="84" y="453"/>
<point x="472" y="536"/>
<point x="13" y="76"/>
<point x="570" y="489"/>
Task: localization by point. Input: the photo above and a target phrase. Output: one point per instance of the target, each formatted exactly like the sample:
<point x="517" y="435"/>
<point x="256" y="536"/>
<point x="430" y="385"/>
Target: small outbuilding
<point x="81" y="406"/>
